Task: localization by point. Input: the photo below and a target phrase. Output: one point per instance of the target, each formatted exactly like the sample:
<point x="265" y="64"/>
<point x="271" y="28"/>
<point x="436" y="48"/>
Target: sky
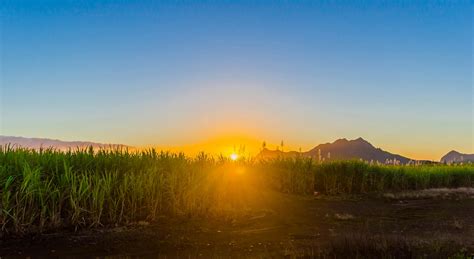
<point x="212" y="75"/>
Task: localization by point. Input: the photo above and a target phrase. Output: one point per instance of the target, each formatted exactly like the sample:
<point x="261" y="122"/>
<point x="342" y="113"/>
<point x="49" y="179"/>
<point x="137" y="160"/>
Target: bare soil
<point x="290" y="226"/>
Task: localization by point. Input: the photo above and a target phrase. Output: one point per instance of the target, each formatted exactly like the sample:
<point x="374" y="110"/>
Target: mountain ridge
<point x="343" y="149"/>
<point x="37" y="143"/>
<point x="454" y="156"/>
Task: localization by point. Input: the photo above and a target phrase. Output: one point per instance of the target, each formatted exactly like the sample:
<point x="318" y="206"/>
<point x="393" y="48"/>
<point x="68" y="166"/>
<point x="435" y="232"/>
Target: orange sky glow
<point x="227" y="145"/>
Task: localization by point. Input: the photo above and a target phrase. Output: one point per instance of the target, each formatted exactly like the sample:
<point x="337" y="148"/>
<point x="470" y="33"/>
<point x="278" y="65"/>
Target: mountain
<point x="37" y="143"/>
<point x="456" y="157"/>
<point x="267" y="153"/>
<point x="342" y="149"/>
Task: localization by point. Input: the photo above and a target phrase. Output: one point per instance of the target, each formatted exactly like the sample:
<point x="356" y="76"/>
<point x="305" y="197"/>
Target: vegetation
<point x="47" y="189"/>
<point x="302" y="175"/>
<point x="357" y="177"/>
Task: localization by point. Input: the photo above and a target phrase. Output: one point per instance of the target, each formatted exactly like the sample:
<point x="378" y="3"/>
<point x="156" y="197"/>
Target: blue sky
<point x="398" y="73"/>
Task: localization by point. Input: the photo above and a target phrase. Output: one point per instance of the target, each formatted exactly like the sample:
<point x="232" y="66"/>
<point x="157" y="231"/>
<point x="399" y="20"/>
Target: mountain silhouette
<point x="456" y="157"/>
<point x="37" y="143"/>
<point x="342" y="149"/>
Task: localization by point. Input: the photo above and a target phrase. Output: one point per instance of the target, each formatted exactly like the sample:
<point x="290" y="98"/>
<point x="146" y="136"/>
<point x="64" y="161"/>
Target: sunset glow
<point x="265" y="72"/>
<point x="234" y="157"/>
<point x="246" y="129"/>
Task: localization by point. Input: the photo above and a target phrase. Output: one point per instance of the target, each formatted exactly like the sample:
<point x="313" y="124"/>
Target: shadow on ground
<point x="291" y="226"/>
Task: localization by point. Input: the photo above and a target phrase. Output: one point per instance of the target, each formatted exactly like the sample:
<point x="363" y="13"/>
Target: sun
<point x="234" y="156"/>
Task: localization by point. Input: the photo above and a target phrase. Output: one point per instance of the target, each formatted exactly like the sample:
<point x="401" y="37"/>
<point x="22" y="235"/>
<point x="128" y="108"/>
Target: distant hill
<point x="267" y="153"/>
<point x="37" y="143"/>
<point x="456" y="157"/>
<point x="341" y="149"/>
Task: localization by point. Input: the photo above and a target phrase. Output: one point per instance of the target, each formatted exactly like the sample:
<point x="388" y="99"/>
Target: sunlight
<point x="234" y="157"/>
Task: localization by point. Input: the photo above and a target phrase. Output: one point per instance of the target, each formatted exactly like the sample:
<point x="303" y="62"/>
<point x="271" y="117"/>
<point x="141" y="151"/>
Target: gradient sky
<point x="209" y="74"/>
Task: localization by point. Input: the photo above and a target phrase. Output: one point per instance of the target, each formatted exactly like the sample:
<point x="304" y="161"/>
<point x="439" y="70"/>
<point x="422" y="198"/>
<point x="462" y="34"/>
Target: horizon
<point x="221" y="147"/>
<point x="204" y="75"/>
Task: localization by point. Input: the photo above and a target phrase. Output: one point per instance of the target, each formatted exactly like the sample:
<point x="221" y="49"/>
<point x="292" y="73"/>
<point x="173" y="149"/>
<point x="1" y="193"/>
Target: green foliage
<point x="48" y="189"/>
<point x="356" y="177"/>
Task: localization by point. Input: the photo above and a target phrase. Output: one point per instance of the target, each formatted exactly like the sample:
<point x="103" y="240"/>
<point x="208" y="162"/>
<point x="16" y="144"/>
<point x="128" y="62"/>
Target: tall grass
<point x="305" y="176"/>
<point x="47" y="189"/>
<point x="359" y="177"/>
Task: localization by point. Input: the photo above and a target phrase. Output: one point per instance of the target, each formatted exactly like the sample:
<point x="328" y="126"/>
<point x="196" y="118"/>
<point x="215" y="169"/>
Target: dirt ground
<point x="291" y="226"/>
